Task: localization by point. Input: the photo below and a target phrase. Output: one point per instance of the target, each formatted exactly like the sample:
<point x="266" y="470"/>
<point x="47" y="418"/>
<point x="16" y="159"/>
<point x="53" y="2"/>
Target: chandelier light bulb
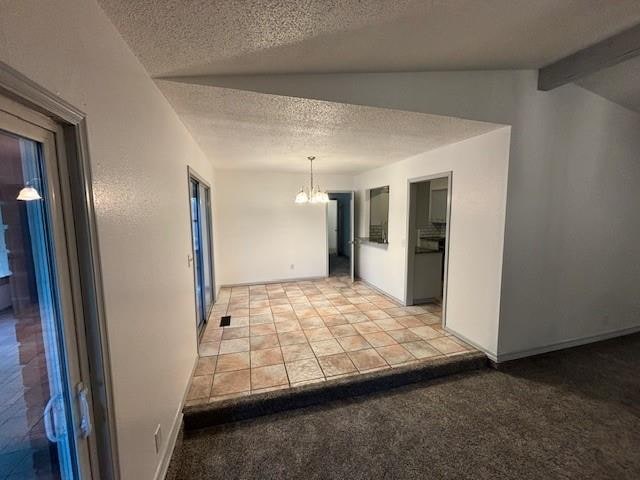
<point x="302" y="196"/>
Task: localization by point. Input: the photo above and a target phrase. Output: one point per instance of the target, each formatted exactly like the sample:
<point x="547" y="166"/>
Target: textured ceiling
<point x="620" y="83"/>
<point x="246" y="130"/>
<point x="254" y="131"/>
<point x="201" y="37"/>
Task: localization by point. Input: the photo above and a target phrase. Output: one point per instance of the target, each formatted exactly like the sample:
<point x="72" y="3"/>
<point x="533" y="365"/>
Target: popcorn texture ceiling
<point x="247" y="130"/>
<point x="177" y="39"/>
<point x="206" y="37"/>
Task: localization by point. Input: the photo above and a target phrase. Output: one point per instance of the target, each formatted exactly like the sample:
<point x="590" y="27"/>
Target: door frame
<point x="193" y="174"/>
<point x="59" y="243"/>
<point x="34" y="104"/>
<point x="410" y="252"/>
<point x="352" y="213"/>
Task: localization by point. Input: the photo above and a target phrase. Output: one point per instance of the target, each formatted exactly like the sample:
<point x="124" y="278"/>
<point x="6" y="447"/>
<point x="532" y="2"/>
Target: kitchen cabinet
<point x="427" y="276"/>
<point x="438" y="203"/>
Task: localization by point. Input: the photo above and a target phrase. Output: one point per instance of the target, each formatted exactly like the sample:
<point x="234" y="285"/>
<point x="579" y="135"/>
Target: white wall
<point x="479" y="183"/>
<point x="572" y="264"/>
<point x="139" y="152"/>
<point x="571" y="267"/>
<point x="262" y="232"/>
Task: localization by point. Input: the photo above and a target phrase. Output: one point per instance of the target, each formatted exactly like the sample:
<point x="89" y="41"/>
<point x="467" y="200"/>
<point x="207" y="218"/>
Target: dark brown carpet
<point x="568" y="415"/>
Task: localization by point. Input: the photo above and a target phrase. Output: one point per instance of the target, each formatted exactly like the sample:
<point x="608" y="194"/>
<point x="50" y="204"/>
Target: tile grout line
<point x="319" y="292"/>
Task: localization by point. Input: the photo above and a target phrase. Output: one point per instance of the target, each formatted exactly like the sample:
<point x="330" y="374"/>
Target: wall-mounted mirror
<point x="379" y="214"/>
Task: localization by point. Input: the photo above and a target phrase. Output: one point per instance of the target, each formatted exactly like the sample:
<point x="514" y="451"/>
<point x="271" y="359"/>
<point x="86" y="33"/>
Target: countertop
<point x="421" y="250"/>
<point x="440" y="240"/>
<point x="372" y="243"/>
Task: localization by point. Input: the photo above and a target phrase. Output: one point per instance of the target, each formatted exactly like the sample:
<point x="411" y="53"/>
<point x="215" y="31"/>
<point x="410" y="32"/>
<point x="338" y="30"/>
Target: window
<point x="379" y="214"/>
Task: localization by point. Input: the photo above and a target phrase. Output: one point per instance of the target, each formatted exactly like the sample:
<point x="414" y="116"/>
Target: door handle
<point x="50" y="424"/>
<point x="85" y="412"/>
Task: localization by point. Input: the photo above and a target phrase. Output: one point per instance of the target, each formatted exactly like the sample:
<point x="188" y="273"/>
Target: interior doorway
<point x="202" y="248"/>
<point x="428" y="240"/>
<point x="340" y="234"/>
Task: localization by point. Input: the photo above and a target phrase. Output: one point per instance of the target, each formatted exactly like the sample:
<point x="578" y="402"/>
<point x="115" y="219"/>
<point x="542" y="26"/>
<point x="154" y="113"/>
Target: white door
<point x="51" y="405"/>
<point x="332" y="226"/>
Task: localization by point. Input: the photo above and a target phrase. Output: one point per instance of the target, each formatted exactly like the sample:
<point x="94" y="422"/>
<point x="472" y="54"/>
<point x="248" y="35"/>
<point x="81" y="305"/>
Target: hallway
<point x="339" y="265"/>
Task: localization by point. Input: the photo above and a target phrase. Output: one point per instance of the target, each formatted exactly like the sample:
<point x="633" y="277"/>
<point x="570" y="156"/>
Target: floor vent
<point x="225" y="321"/>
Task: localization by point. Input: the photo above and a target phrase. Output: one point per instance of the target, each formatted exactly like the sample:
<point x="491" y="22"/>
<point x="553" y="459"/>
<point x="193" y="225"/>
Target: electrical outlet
<point x="158" y="438"/>
<point x="292" y="266"/>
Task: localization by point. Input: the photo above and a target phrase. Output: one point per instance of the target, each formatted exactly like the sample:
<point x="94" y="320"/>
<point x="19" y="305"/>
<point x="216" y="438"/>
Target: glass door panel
<point x="200" y="204"/>
<point x="197" y="253"/>
<point x="37" y="434"/>
<point x="205" y="235"/>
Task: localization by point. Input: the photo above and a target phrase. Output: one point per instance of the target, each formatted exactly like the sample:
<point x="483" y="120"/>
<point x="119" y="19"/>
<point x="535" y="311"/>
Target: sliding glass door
<point x="44" y="407"/>
<point x="200" y="204"/>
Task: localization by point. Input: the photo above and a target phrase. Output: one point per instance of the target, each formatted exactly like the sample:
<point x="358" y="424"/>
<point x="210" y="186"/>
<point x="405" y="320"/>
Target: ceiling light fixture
<point x="28" y="192"/>
<point x="314" y="195"/>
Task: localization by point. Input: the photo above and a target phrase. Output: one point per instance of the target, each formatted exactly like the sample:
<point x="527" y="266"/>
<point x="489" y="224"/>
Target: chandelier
<point x="314" y="195"/>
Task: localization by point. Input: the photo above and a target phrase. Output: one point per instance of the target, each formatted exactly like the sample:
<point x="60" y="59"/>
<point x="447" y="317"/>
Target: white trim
<point x="167" y="454"/>
<point x="267" y="282"/>
<point x="44" y="101"/>
<point x="410" y="253"/>
<point x="504" y="357"/>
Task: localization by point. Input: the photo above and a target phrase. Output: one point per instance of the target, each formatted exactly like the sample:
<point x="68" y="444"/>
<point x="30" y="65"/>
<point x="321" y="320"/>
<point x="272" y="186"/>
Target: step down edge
<point x="246" y="407"/>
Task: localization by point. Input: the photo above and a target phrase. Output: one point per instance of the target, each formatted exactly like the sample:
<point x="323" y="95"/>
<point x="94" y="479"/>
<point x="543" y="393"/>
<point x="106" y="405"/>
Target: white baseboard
<point x="379" y="290"/>
<point x="504" y="357"/>
<point x="267" y="282"/>
<point x="167" y="453"/>
<point x="163" y="466"/>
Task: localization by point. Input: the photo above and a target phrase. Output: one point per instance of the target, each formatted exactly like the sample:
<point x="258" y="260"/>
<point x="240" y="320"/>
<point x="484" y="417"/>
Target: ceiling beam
<point x="606" y="53"/>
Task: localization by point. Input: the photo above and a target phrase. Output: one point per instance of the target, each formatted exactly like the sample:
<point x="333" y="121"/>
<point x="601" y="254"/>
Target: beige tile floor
<point x="289" y="334"/>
